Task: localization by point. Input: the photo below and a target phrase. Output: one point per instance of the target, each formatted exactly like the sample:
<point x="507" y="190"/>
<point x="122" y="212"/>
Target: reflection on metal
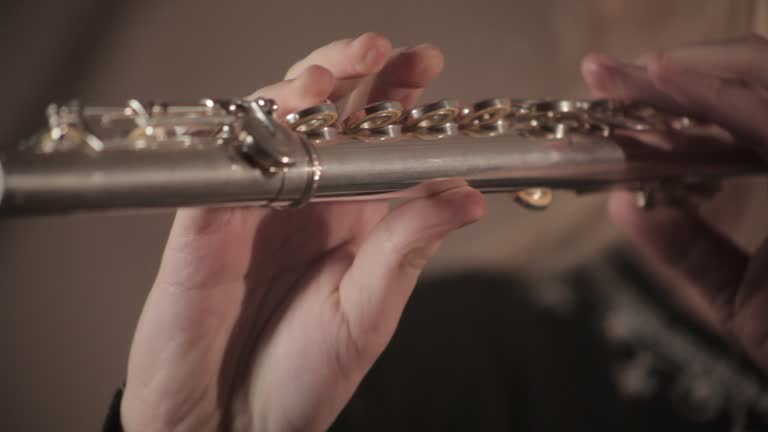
<point x="534" y="198"/>
<point x="314" y="118"/>
<point x="432" y="115"/>
<point x="374" y="116"/>
<point x="156" y="155"/>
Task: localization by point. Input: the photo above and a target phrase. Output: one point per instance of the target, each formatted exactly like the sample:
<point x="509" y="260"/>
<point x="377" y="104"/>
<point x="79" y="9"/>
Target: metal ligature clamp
<point x="262" y="140"/>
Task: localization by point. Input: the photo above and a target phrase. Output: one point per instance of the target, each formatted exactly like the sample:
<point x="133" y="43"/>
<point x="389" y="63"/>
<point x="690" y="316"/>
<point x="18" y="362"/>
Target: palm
<point x="282" y="305"/>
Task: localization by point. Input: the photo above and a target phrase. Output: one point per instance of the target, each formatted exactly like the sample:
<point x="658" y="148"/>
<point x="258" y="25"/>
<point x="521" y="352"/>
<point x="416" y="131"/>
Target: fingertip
<point x="463" y="205"/>
<point x="601" y="73"/>
<point x="595" y="62"/>
<point x="474" y="205"/>
<point x="431" y="60"/>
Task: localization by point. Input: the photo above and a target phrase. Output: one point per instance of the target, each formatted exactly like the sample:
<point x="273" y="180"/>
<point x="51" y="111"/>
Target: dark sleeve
<point x="112" y="422"/>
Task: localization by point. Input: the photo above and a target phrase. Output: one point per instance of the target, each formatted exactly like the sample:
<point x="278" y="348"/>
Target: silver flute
<point x="237" y="152"/>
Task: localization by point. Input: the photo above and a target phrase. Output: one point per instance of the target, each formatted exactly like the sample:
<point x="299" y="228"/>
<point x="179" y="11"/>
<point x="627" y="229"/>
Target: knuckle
<point x="417" y="258"/>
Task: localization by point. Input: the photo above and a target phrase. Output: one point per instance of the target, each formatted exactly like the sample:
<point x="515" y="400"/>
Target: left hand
<point x="268" y="320"/>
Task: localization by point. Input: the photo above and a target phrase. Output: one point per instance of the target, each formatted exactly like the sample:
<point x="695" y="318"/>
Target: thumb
<point x="374" y="291"/>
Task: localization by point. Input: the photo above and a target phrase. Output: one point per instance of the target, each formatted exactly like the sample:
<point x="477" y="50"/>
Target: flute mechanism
<point x="219" y="152"/>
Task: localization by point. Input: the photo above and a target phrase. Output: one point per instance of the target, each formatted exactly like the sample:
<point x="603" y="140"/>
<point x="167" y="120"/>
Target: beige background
<point x="72" y="287"/>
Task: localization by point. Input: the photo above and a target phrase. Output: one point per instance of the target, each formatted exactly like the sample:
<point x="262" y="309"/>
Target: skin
<point x="268" y="320"/>
<point x="726" y="83"/>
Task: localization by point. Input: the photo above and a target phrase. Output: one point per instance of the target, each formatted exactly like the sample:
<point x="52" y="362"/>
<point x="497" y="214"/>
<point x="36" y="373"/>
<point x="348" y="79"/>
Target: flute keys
<point x="485" y="112"/>
<point x="316" y="123"/>
<point x="383" y="133"/>
<point x="532" y="118"/>
<point x="67" y="131"/>
<point x="634" y="117"/>
<point x="498" y="127"/>
<point x="437" y="132"/>
<point x="534" y="198"/>
<point x="376" y="122"/>
<point x="433" y="114"/>
<point x="322" y="134"/>
<point x="434" y="120"/>
<point x="529" y="117"/>
<point x="375" y="116"/>
<point x="314" y="118"/>
<point x="560" y="117"/>
<point x="556" y="119"/>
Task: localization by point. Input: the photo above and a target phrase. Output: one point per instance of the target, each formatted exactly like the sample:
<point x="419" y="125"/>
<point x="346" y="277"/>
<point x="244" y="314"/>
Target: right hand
<point x="725" y="83"/>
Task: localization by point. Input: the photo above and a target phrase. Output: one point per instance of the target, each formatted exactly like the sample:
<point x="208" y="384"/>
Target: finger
<point x="744" y="58"/>
<point x="687" y="244"/>
<point x="610" y="79"/>
<point x="728" y="103"/>
<point x="374" y="290"/>
<point x="311" y="87"/>
<point x="350" y="60"/>
<point x="407" y="74"/>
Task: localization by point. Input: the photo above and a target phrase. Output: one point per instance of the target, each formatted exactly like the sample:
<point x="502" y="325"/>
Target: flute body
<point x="225" y="153"/>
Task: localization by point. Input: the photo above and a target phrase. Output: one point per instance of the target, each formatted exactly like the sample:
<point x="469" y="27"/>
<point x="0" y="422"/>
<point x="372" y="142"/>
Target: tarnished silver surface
<point x="506" y="163"/>
<point x="226" y="152"/>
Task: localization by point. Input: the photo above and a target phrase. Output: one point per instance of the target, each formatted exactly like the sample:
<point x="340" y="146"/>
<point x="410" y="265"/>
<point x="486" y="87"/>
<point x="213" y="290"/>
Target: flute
<point x="222" y="152"/>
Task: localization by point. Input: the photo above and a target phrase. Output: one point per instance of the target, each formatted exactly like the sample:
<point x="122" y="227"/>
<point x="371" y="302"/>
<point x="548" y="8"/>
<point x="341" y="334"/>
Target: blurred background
<point x="72" y="287"/>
